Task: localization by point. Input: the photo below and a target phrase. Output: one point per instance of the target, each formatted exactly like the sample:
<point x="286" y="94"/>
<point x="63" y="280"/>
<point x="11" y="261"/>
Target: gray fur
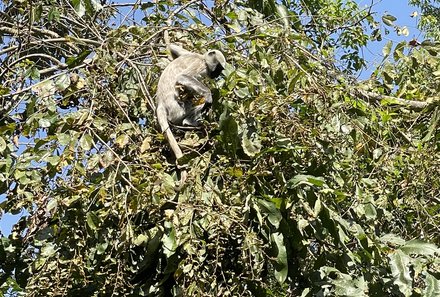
<point x="186" y="70"/>
<point x="182" y="76"/>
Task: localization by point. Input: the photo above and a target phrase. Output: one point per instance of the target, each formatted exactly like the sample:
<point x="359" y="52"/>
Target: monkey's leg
<point x="194" y="116"/>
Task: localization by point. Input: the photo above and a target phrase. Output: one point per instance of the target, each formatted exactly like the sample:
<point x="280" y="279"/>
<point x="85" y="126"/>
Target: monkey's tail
<point x="178" y="154"/>
<point x="164" y="126"/>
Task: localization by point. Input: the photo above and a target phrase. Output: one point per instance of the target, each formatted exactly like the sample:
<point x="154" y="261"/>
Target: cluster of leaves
<point x="429" y="17"/>
<point x="296" y="185"/>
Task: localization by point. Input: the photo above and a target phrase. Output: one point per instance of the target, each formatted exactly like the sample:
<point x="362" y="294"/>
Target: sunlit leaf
<point x="79" y="7"/>
<point x="101" y="248"/>
<point x="169" y="242"/>
<point x="92" y="220"/>
<point x="432" y="286"/>
<point x="140" y="239"/>
<point x="48" y="250"/>
<point x="389" y="19"/>
<point x="419" y="247"/>
<point x="145" y="144"/>
<point x="283" y="14"/>
<point x="269" y="209"/>
<point x="281" y="266"/>
<point x="250" y="143"/>
<point x="306" y="179"/>
<point x="122" y="140"/>
<point x="86" y="142"/>
<point x="62" y="82"/>
<point x="3" y="145"/>
<point x="387" y="49"/>
<point x="399" y="263"/>
<point x="44" y="123"/>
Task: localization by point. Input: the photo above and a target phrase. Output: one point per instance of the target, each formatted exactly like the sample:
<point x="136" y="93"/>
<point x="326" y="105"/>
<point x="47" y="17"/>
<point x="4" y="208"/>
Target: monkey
<point x="181" y="98"/>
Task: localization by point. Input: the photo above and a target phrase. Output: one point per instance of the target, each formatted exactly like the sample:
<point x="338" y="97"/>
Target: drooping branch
<point x="371" y="96"/>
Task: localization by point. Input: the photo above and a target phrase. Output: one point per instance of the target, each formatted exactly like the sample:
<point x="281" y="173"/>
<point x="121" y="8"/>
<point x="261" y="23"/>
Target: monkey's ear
<point x="177" y="51"/>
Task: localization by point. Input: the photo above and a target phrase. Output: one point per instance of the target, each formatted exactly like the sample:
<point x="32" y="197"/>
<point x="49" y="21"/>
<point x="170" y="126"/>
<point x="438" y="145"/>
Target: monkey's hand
<point x="198" y="101"/>
<point x="208" y="102"/>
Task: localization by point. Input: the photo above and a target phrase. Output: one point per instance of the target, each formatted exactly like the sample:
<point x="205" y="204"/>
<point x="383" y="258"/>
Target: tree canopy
<point x="304" y="181"/>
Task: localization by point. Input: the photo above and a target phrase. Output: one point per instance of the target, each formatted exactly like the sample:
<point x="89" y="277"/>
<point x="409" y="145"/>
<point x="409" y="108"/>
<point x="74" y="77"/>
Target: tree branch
<point x="371" y="96"/>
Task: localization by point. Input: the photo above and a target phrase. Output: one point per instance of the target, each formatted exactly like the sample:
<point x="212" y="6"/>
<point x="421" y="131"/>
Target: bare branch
<point x="371" y="96"/>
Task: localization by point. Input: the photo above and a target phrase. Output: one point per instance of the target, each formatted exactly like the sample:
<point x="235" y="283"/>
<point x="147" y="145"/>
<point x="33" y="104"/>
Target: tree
<point x="304" y="181"/>
<point x="429" y="17"/>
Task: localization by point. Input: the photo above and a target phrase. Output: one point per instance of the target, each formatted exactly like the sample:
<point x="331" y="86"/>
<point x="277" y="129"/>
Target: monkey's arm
<point x="193" y="85"/>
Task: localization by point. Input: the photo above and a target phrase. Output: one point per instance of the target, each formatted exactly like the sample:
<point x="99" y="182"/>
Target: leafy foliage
<point x="298" y="185"/>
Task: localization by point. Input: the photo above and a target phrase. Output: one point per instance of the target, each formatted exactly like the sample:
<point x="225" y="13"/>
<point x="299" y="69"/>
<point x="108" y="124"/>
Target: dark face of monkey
<point x="217" y="71"/>
<point x="215" y="63"/>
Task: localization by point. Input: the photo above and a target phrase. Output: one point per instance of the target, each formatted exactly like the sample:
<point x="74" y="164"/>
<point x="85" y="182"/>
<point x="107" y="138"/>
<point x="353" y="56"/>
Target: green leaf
<point x="53" y="203"/>
<point x="63" y="138"/>
<point x="389" y="20"/>
<point x="122" y="140"/>
<point x="92" y="220"/>
<point x="284" y="15"/>
<point x="3" y="145"/>
<point x="419" y="247"/>
<point x="387" y="49"/>
<point x="242" y="92"/>
<point x="101" y="248"/>
<point x="377" y="153"/>
<point x="273" y="214"/>
<point x="53" y="160"/>
<point x="169" y="241"/>
<point x="432" y="286"/>
<point x="79" y="7"/>
<point x="229" y="134"/>
<point x="235" y="25"/>
<point x="306" y="179"/>
<point x="250" y="142"/>
<point x="44" y="123"/>
<point x="254" y="77"/>
<point x="392" y="239"/>
<point x="54" y="14"/>
<point x="235" y="172"/>
<point x="370" y="211"/>
<point x="141" y="239"/>
<point x="432" y="125"/>
<point x="86" y="142"/>
<point x="145" y="6"/>
<point x="398" y="50"/>
<point x="346" y="286"/>
<point x="77" y="60"/>
<point x="403" y="31"/>
<point x="48" y="250"/>
<point x="399" y="263"/>
<point x="62" y="82"/>
<point x="37" y="12"/>
<point x="281" y="266"/>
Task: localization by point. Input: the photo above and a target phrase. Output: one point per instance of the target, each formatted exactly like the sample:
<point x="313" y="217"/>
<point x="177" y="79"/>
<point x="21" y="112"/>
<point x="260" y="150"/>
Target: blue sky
<point x="402" y="11"/>
<point x="373" y="53"/>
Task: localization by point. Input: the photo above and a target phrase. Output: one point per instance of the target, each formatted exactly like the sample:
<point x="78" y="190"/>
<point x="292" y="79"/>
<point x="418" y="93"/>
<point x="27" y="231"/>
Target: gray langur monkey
<point x="180" y="79"/>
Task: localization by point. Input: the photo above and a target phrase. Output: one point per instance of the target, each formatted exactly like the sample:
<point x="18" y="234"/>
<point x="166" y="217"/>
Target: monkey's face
<point x="215" y="62"/>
